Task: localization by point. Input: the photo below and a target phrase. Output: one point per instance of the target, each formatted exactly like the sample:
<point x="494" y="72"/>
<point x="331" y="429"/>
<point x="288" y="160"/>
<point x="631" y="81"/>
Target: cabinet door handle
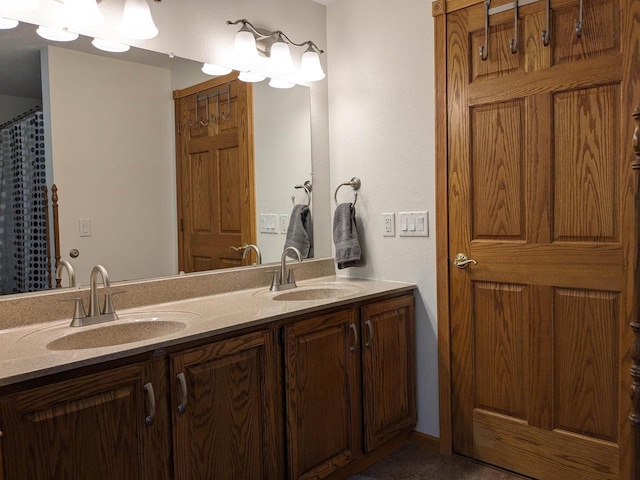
<point x="353" y="327"/>
<point x="151" y="397"/>
<point x="369" y="342"/>
<point x="183" y="393"/>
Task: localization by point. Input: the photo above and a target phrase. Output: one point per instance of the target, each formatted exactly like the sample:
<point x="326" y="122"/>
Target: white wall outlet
<point x="388" y="224"/>
<point x="414" y="224"/>
<point x="284" y="222"/>
<point x="268" y="223"/>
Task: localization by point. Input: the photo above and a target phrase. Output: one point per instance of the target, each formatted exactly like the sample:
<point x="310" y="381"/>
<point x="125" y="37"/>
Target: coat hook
<point x="484" y="49"/>
<point x="207" y="117"/>
<point x="227" y="116"/>
<point x="579" y="23"/>
<point x="546" y="34"/>
<point x="513" y="43"/>
<point x="190" y="123"/>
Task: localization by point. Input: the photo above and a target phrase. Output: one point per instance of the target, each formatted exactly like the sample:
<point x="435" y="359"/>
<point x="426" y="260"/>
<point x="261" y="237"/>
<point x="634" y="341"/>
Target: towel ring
<point x="307" y="192"/>
<point x="353" y="183"/>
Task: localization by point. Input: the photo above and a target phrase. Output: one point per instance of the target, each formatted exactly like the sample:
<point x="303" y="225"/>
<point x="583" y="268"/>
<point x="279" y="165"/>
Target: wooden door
<point x="541" y="196"/>
<point x="215" y="173"/>
<point x="388" y="370"/>
<point x="322" y="385"/>
<point x="230" y="424"/>
<point x="92" y="427"/>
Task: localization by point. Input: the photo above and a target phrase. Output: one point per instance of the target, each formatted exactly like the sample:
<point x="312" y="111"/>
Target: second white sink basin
<point x="314" y="293"/>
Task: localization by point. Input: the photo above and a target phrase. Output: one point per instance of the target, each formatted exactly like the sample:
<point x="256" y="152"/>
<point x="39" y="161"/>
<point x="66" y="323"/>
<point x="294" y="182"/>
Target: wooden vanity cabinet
<point x="349" y="384"/>
<point x="226" y="417"/>
<point x="91" y="427"/>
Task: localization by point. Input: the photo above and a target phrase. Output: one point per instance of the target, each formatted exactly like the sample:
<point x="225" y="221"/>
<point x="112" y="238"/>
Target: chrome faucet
<point x="286" y="280"/>
<point x="63" y="264"/>
<point x="94" y="309"/>
<point x="255" y="248"/>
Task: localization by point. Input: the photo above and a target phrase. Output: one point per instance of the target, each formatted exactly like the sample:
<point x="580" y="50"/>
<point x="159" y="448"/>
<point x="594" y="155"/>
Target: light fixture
<point x="7" y="23"/>
<point x="252" y="42"/>
<point x="83" y="12"/>
<point x="250" y="77"/>
<point x="215" y="70"/>
<point x="278" y="83"/>
<point x="137" y="21"/>
<point x="109" y="46"/>
<point x="22" y="5"/>
<point x="56" y="35"/>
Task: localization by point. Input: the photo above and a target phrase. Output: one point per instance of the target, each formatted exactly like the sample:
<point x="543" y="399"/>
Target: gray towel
<point x="345" y="237"/>
<point x="300" y="231"/>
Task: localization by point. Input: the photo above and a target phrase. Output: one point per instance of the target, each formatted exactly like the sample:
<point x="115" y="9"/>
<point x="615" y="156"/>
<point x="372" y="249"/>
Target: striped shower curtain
<point x="23" y="232"/>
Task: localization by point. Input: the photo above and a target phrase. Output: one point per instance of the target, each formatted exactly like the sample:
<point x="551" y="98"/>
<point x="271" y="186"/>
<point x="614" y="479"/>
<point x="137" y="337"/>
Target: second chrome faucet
<point x="284" y="280"/>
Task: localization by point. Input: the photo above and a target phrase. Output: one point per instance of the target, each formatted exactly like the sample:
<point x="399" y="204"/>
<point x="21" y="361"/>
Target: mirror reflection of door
<point x="214" y="173"/>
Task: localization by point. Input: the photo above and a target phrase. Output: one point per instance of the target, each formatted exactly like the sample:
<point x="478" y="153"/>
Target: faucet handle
<point x="78" y="310"/>
<point x="291" y="280"/>
<point x="108" y="303"/>
<point x="275" y="280"/>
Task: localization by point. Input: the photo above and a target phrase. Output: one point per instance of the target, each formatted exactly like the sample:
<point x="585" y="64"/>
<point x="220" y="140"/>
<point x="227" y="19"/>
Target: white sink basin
<point x="315" y="293"/>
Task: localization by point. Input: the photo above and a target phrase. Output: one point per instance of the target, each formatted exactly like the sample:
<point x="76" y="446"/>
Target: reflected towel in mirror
<point x="300" y="231"/>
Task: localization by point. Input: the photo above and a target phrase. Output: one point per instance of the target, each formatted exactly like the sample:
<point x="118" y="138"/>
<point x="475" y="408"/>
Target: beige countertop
<point x="24" y="354"/>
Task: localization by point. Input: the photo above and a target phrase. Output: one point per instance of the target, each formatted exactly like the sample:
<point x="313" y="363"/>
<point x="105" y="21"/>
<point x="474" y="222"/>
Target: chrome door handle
<point x="369" y="342"/>
<point x="354" y="329"/>
<point x="461" y="261"/>
<point x="149" y="419"/>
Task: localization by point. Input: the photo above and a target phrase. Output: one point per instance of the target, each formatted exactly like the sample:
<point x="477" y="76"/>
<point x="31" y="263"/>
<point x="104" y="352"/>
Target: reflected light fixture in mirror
<point x="21" y="5"/>
<point x="137" y="21"/>
<point x="253" y="43"/>
<point x="109" y="46"/>
<point x="7" y="23"/>
<point x="215" y="70"/>
<point x="277" y="83"/>
<point x="56" y="35"/>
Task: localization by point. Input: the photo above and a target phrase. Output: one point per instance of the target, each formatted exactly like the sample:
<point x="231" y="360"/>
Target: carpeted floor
<point x="414" y="463"/>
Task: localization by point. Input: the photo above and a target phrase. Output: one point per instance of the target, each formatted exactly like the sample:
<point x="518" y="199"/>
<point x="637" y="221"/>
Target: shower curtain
<point x="23" y="232"/>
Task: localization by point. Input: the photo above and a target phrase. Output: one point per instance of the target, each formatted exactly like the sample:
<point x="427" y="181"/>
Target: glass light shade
<point x="278" y="83"/>
<point x="310" y="67"/>
<point x="22" y="5"/>
<point x="137" y="21"/>
<point x="215" y="70"/>
<point x="56" y="35"/>
<point x="83" y="12"/>
<point x="109" y="46"/>
<point x="245" y="53"/>
<point x="7" y="23"/>
<point x="250" y="77"/>
<point x="280" y="62"/>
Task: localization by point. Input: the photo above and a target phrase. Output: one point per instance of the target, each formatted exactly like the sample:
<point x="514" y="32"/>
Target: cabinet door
<point x="91" y="427"/>
<point x="322" y="394"/>
<point x="388" y="370"/>
<point x="224" y="399"/>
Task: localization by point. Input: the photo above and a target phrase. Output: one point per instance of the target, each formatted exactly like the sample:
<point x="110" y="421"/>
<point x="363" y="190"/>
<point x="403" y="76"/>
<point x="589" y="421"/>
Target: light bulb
<point x="245" y="53"/>
<point x="56" y="35"/>
<point x="280" y="62"/>
<point x="109" y="46"/>
<point x="278" y="83"/>
<point x="215" y="70"/>
<point x="310" y="67"/>
<point x="137" y="21"/>
<point x="83" y="12"/>
<point x="250" y="77"/>
<point x="7" y="23"/>
<point x="22" y="5"/>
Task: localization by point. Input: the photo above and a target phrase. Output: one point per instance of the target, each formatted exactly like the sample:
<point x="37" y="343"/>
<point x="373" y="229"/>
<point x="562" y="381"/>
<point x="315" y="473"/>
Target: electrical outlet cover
<point x="389" y="224"/>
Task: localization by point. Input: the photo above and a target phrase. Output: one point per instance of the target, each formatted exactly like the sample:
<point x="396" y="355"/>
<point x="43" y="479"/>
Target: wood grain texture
<point x="323" y="397"/>
<point x="229" y="428"/>
<point x="90" y="427"/>
<point x="634" y="416"/>
<point x="501" y="62"/>
<point x="388" y="370"/>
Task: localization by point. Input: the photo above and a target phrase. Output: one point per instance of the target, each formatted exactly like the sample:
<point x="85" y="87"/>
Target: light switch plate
<point x="414" y="224"/>
<point x="268" y="223"/>
<point x="388" y="224"/>
<point x="85" y="227"/>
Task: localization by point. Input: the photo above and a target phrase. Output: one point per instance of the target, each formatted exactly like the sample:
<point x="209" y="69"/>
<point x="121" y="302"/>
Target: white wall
<point x="381" y="105"/>
<point x="100" y="135"/>
<point x="11" y="107"/>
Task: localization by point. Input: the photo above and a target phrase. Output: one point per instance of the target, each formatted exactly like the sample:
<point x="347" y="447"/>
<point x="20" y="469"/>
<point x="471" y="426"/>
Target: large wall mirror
<point x="109" y="140"/>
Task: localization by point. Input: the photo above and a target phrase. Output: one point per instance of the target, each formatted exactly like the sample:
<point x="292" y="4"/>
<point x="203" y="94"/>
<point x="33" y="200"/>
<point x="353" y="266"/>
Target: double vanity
<point x="209" y="376"/>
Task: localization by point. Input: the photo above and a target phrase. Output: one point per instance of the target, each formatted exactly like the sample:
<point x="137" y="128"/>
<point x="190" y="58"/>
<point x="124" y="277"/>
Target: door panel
<point x="538" y="196"/>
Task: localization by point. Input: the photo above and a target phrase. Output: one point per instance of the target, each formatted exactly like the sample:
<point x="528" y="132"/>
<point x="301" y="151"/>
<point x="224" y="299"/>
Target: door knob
<point x="461" y="261"/>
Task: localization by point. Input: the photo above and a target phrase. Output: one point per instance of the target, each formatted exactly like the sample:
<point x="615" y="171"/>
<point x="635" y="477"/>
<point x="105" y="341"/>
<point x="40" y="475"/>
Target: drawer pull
<point x="183" y="393"/>
<point x="149" y="419"/>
